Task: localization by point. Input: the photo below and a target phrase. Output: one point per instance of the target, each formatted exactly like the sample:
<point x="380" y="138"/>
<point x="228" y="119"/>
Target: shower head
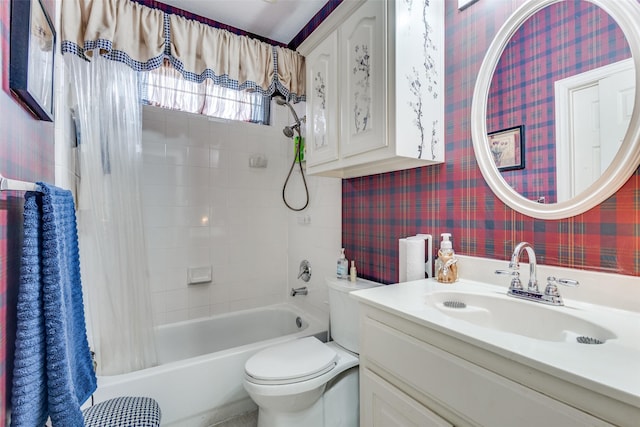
<point x="288" y="130"/>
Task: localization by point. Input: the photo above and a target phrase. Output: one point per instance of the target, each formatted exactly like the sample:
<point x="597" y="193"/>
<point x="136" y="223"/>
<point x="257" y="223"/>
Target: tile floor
<point x="249" y="419"/>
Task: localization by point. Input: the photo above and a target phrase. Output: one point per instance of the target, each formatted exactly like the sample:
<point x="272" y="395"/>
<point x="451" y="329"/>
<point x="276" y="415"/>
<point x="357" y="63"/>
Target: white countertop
<point x="612" y="368"/>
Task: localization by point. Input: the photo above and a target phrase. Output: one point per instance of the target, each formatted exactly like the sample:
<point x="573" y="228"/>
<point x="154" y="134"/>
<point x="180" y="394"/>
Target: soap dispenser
<point x="446" y="263"/>
<point x="342" y="268"/>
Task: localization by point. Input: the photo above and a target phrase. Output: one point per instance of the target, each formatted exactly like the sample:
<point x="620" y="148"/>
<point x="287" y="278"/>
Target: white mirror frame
<point x="627" y="14"/>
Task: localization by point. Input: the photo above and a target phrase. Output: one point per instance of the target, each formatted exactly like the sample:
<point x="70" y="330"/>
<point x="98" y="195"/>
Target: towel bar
<point x="13" y="184"/>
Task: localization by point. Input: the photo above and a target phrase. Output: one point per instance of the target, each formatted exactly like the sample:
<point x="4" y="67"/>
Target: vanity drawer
<point x="467" y="390"/>
<point x="384" y="405"/>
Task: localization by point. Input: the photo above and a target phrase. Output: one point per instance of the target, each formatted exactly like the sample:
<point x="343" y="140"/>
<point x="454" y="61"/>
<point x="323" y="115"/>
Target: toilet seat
<point x="294" y="361"/>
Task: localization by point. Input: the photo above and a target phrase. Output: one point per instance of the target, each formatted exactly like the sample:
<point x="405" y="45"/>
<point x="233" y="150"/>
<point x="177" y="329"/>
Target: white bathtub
<point x="199" y="379"/>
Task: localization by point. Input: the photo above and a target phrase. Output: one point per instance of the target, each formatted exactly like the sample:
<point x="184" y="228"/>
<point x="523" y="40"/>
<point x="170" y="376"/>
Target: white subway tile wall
<point x="203" y="205"/>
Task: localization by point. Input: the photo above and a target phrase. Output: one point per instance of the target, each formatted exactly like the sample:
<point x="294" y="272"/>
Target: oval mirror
<point x="536" y="81"/>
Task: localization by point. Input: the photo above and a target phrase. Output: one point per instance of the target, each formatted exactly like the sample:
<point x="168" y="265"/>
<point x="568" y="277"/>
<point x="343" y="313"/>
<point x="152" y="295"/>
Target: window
<point x="166" y="87"/>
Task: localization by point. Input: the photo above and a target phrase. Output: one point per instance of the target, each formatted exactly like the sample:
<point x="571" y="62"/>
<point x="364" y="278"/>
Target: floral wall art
<point x="319" y="109"/>
<point x="362" y="89"/>
<point x="420" y="76"/>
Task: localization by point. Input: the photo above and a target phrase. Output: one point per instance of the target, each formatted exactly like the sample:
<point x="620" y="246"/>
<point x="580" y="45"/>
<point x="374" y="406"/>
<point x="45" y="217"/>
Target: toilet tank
<point x="343" y="311"/>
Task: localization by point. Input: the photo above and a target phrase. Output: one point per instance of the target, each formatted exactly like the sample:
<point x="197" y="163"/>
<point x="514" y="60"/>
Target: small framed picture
<point x="507" y="147"/>
<point x="33" y="43"/>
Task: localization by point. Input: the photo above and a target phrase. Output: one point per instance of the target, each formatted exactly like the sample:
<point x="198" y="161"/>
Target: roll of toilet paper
<point x="411" y="259"/>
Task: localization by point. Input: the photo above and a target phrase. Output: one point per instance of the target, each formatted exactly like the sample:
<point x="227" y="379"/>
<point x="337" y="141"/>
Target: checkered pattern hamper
<point x="123" y="412"/>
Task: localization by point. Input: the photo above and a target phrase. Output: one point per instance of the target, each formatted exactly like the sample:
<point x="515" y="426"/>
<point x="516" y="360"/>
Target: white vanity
<point x="490" y="359"/>
<point x="467" y="354"/>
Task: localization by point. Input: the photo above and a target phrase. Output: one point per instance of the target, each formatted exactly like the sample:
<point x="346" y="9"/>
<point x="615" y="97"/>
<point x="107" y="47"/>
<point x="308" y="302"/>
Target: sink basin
<point x="506" y="314"/>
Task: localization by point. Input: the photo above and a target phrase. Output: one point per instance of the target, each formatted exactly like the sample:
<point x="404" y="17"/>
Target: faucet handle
<point x="515" y="282"/>
<point x="507" y="272"/>
<point x="305" y="270"/>
<point x="569" y="282"/>
<point x="552" y="287"/>
<point x="552" y="284"/>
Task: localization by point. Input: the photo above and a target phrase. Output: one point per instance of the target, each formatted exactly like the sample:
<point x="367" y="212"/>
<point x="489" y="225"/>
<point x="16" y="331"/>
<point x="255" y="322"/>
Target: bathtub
<point x="198" y="380"/>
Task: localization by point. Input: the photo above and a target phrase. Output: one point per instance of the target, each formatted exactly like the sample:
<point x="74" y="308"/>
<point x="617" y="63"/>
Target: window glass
<point x="166" y="87"/>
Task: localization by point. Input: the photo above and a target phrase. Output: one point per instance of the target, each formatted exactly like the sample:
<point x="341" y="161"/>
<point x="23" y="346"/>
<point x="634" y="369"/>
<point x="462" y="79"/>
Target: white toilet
<point x="309" y="383"/>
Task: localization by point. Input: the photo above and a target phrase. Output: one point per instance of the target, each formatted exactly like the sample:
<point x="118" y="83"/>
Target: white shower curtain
<point x="113" y="251"/>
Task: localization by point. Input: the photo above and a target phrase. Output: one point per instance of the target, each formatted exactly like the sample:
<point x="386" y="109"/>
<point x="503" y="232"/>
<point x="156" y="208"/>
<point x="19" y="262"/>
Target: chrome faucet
<point x="305" y="270"/>
<point x="550" y="296"/>
<point x="532" y="285"/>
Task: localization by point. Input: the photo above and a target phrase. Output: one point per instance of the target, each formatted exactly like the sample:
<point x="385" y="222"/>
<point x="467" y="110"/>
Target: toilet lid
<point x="293" y="361"/>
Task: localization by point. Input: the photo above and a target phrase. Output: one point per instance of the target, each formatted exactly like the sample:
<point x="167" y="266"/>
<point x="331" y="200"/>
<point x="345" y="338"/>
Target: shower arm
<point x="281" y="101"/>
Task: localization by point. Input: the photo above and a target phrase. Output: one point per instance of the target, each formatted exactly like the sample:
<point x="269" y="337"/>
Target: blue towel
<point x="53" y="370"/>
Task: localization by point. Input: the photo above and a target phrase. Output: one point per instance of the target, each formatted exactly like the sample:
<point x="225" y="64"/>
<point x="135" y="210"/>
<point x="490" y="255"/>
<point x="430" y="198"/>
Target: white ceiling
<point x="278" y="20"/>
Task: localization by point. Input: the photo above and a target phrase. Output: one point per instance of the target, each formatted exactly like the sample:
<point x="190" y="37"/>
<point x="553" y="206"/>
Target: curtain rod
<point x="13" y="184"/>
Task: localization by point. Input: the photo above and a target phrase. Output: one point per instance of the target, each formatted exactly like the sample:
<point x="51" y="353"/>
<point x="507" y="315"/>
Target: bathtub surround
<point x="203" y="205"/>
<point x="53" y="373"/>
<point x="150" y="39"/>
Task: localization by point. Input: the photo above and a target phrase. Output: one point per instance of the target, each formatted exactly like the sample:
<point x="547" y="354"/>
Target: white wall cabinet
<point x="383" y="109"/>
<point x="362" y="80"/>
<point x="322" y="103"/>
<point x="423" y="384"/>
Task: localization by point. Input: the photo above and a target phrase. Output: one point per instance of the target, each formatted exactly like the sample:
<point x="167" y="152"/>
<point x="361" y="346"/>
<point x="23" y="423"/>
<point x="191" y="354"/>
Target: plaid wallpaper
<point x="522" y="91"/>
<point x="26" y="153"/>
<point x="453" y="197"/>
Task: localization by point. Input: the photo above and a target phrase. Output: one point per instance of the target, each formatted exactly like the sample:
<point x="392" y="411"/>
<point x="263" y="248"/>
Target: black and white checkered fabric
<point x="123" y="412"/>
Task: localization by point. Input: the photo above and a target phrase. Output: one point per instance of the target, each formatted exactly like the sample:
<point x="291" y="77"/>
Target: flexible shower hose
<point x="293" y="164"/>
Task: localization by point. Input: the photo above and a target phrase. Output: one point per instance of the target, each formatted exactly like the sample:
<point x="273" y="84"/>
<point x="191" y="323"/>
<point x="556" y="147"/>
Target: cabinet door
<point x="460" y="386"/>
<point x="322" y="102"/>
<point x="383" y="405"/>
<point x="419" y="52"/>
<point x="362" y="70"/>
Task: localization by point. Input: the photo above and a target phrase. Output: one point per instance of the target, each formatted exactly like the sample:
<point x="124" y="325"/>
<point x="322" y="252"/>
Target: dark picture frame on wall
<point x="507" y="148"/>
<point x="33" y="44"/>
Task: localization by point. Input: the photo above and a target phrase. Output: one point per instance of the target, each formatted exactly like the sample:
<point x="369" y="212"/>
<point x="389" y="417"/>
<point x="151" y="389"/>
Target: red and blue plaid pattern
<point x="453" y="197"/>
<point x="26" y="153"/>
<point x="522" y="90"/>
<point x="317" y="19"/>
